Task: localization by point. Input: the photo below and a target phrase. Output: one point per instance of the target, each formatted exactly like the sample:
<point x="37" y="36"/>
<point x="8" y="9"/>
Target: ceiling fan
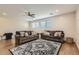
<point x="30" y="14"/>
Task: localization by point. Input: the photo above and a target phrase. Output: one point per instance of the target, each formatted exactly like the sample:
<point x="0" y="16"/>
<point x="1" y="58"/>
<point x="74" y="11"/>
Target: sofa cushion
<point x="57" y="34"/>
<point x="46" y="33"/>
<point x="26" y="34"/>
<point x="34" y="33"/>
<point x="22" y="33"/>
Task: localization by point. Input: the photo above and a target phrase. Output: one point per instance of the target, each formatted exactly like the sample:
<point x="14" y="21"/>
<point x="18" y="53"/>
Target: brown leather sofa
<point x="24" y="39"/>
<point x="52" y="36"/>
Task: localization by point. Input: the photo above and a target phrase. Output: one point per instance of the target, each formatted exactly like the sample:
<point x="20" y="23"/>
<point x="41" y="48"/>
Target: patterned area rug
<point x="37" y="47"/>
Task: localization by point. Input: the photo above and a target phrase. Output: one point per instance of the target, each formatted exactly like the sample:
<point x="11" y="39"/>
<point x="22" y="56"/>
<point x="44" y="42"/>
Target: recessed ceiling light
<point x="56" y="10"/>
<point x="4" y="13"/>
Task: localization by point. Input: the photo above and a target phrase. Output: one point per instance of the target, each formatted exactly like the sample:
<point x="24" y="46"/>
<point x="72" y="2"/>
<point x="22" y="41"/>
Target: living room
<point x="39" y="19"/>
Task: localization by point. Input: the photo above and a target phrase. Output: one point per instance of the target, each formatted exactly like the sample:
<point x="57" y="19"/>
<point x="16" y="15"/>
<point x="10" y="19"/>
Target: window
<point x="35" y="25"/>
<point x="48" y="24"/>
<point x="41" y="24"/>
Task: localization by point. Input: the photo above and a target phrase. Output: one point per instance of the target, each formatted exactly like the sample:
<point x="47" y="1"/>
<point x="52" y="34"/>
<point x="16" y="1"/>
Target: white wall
<point x="64" y="22"/>
<point x="12" y="25"/>
<point x="77" y="27"/>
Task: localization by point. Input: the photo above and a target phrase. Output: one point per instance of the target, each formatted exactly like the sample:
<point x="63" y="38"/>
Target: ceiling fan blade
<point x="29" y="14"/>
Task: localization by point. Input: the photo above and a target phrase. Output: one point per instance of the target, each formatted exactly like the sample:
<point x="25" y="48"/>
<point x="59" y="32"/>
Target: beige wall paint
<point x="12" y="25"/>
<point x="77" y="27"/>
<point x="64" y="22"/>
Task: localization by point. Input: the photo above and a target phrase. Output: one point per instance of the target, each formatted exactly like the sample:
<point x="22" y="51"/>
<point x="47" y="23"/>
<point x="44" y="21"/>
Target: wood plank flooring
<point x="69" y="49"/>
<point x="66" y="49"/>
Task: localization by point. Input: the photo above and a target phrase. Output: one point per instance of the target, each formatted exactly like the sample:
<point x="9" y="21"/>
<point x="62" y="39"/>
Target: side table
<point x="69" y="40"/>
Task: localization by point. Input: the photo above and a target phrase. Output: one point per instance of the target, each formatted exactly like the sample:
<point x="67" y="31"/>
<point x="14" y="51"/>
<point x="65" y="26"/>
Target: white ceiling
<point x="41" y="10"/>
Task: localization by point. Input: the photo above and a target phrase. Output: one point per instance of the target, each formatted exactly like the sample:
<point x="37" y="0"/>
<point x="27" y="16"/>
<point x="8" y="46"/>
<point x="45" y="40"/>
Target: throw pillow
<point x="46" y="33"/>
<point x="34" y="33"/>
<point x="22" y="33"/>
<point x="26" y="34"/>
<point x="57" y="34"/>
